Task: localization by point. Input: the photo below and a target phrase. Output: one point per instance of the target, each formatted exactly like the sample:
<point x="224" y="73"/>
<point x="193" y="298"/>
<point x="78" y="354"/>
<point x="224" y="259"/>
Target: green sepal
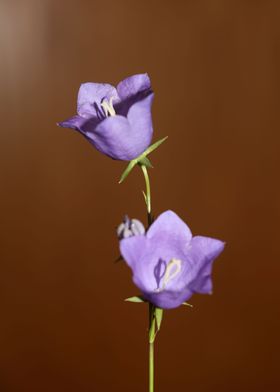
<point x="136" y="299"/>
<point x="142" y="159"/>
<point x="187" y="304"/>
<point x="154" y="146"/>
<point x="128" y="170"/>
<point x="158" y="317"/>
<point x="156" y="321"/>
<point x="152" y="332"/>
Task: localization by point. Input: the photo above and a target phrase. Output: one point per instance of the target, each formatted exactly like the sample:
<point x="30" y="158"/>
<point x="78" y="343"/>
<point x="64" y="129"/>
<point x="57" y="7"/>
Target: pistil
<point x="170" y="272"/>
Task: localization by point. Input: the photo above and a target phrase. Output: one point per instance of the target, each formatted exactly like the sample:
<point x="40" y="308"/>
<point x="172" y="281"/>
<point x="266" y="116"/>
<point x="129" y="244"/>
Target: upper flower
<point x="117" y="121"/>
<point x="168" y="263"/>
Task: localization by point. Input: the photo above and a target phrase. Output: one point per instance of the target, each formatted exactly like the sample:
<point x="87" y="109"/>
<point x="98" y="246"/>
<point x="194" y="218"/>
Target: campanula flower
<point x="117" y="121"/>
<point x="168" y="264"/>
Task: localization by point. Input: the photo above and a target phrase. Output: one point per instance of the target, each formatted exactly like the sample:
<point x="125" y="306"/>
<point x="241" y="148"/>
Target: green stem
<point x="152" y="325"/>
<point x="151" y="367"/>
<point x="148" y="194"/>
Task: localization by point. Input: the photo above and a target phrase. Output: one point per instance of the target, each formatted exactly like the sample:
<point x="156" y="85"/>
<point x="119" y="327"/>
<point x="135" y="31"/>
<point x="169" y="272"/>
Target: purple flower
<point x="168" y="263"/>
<point x="117" y="121"/>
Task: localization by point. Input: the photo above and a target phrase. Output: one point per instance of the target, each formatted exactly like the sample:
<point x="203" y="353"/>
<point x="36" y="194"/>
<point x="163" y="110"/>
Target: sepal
<point x="142" y="159"/>
<point x="136" y="299"/>
<point x="155" y="323"/>
<point x="158" y="317"/>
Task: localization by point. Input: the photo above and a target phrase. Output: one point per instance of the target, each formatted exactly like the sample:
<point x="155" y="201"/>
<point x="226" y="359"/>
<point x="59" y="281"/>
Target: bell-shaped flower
<point x="117" y="121"/>
<point x="168" y="264"/>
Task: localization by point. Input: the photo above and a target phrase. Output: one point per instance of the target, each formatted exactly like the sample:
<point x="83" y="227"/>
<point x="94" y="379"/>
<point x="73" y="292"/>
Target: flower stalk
<point x="147" y="195"/>
<point x="152" y="319"/>
<point x="151" y="347"/>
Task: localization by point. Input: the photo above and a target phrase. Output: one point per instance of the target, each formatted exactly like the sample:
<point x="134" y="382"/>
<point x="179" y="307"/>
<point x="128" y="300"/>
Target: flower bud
<point x="129" y="228"/>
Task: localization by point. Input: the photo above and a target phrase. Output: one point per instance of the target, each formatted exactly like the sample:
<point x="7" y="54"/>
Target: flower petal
<point x="83" y="125"/>
<point x="200" y="256"/>
<point x="140" y="119"/>
<point x="112" y="137"/>
<point x="75" y="122"/>
<point x="125" y="138"/>
<point x="168" y="299"/>
<point x="133" y="85"/>
<point x="135" y="251"/>
<point x="90" y="96"/>
<point x="132" y="249"/>
<point x="170" y="227"/>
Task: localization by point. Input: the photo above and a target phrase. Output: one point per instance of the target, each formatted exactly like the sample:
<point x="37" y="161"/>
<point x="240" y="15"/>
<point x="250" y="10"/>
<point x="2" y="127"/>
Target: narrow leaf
<point x="158" y="316"/>
<point x="128" y="169"/>
<point x="136" y="299"/>
<point x="154" y="146"/>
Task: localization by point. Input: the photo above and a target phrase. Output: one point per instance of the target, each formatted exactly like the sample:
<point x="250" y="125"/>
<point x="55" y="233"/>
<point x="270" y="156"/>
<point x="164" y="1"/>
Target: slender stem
<point x="152" y="327"/>
<point x="151" y="367"/>
<point x="151" y="307"/>
<point x="148" y="194"/>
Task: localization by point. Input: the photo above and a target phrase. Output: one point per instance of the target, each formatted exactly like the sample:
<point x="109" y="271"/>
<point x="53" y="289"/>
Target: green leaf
<point x="154" y="146"/>
<point x="136" y="299"/>
<point x="187" y="304"/>
<point x="158" y="317"/>
<point x="128" y="169"/>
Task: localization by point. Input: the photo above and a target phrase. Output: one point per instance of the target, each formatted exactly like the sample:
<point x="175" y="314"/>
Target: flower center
<point x="108" y="107"/>
<point x="172" y="269"/>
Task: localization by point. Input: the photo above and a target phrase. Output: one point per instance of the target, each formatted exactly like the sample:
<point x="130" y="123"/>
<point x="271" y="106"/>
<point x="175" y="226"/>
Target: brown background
<point x="214" y="66"/>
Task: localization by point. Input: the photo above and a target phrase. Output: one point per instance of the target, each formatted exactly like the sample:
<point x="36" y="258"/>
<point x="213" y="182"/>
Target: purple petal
<point x="132" y="249"/>
<point x="112" y="137"/>
<point x="170" y="227"/>
<point x="91" y="95"/>
<point x="140" y="119"/>
<point x="136" y="253"/>
<point x="133" y="85"/>
<point x="125" y="138"/>
<point x="75" y="122"/>
<point x="85" y="126"/>
<point x="200" y="256"/>
<point x="168" y="299"/>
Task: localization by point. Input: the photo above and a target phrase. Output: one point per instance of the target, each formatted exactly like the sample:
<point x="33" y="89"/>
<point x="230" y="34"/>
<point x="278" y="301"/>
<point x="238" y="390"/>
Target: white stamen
<point x="108" y="107"/>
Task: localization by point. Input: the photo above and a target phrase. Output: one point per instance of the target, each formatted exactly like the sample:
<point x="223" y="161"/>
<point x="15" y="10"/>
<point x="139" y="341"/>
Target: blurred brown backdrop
<point x="215" y="71"/>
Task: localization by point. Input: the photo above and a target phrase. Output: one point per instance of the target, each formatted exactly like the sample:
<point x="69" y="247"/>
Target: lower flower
<point x="168" y="264"/>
